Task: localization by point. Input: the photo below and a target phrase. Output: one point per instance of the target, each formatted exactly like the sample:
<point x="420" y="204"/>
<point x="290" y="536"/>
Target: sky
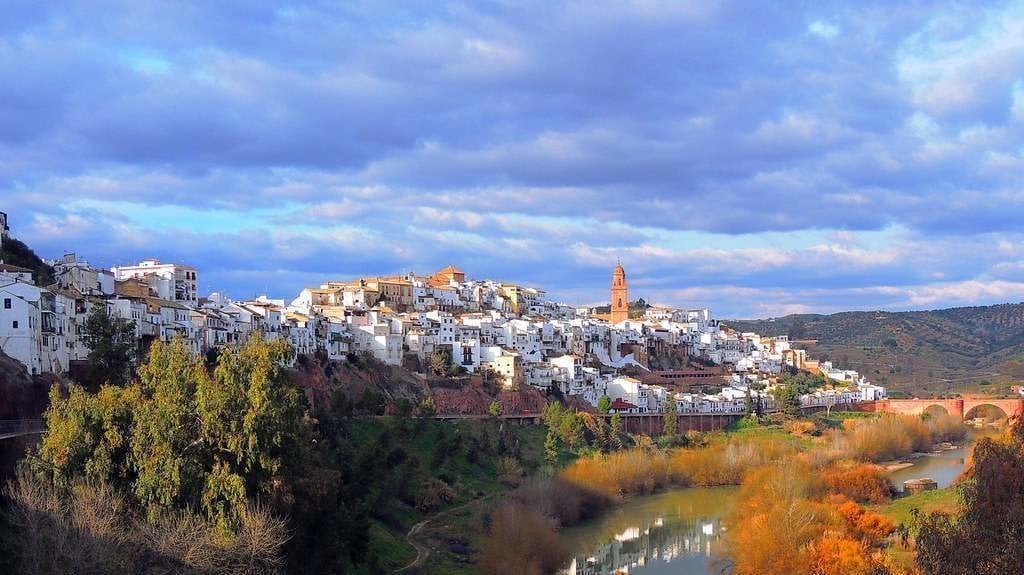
<point x="757" y="158"/>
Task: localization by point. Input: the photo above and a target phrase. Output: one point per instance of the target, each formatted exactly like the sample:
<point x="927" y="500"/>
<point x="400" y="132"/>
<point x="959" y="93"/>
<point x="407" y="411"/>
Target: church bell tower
<point x="620" y="295"/>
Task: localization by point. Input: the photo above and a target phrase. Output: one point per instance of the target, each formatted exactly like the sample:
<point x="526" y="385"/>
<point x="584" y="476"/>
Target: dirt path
<point x="422" y="549"/>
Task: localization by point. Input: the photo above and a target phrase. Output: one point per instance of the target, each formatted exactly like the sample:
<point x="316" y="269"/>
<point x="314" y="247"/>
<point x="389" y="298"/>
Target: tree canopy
<point x="180" y="437"/>
<point x="111" y="342"/>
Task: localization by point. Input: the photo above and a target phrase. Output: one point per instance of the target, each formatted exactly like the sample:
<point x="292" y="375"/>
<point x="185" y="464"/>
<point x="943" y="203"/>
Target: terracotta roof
<point x="622" y="404"/>
<point x="451" y="270"/>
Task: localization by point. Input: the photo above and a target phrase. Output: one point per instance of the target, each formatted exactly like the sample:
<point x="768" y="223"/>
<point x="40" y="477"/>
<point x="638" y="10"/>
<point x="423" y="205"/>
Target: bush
<point x="946" y="428"/>
<point x="559" y="500"/>
<point x="521" y="542"/>
<point x="91" y="528"/>
<point x="888" y="437"/>
<point x="725" y="462"/>
<point x="782" y="525"/>
<point x="434" y="495"/>
<point x="864" y="483"/>
<point x="800" y="427"/>
<point x="621" y="473"/>
<point x="510" y="473"/>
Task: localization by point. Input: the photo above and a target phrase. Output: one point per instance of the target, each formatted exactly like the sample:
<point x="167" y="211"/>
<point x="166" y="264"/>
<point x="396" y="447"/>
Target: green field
<point x="899" y="510"/>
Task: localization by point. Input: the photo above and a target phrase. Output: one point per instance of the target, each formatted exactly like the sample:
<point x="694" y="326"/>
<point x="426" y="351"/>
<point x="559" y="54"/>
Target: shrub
<point x="521" y="542"/>
<point x="725" y="462"/>
<point x="860" y="523"/>
<point x="865" y="483"/>
<point x="90" y="528"/>
<point x="800" y="427"/>
<point x="557" y="499"/>
<point x="510" y="473"/>
<point x="434" y="495"/>
<point x="835" y="554"/>
<point x="888" y="437"/>
<point x="618" y="474"/>
<point x="944" y="427"/>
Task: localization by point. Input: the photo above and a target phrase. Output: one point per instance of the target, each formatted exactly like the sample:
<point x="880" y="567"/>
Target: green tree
<point x="788" y="398"/>
<point x="616" y="432"/>
<point x="671" y="420"/>
<point x="604" y="404"/>
<point x="551" y="447"/>
<point x="441" y="361"/>
<point x="112" y="343"/>
<point x="427" y="407"/>
<point x="494" y="409"/>
<point x="179" y="438"/>
<point x="601" y="434"/>
<point x="571" y="429"/>
<point x="168" y="454"/>
<point x="553" y="416"/>
<point x="985" y="538"/>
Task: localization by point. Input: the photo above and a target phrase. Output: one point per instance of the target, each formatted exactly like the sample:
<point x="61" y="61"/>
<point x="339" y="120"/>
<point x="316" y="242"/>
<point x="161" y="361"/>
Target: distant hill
<point x="964" y="349"/>
<point x="16" y="253"/>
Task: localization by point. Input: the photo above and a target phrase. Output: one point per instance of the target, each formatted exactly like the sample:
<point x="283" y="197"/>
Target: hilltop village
<point x="643" y="358"/>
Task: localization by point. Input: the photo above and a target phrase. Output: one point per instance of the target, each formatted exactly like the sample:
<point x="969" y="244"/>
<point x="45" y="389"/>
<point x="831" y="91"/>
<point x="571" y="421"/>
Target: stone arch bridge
<point x="959" y="407"/>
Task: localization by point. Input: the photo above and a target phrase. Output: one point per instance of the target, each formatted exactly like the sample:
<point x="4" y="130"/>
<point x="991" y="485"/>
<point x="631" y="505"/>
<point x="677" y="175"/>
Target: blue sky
<point x="755" y="158"/>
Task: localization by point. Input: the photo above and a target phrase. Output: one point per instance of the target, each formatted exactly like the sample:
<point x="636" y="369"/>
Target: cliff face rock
<point x="475" y="399"/>
<point x="22" y="396"/>
<point x="323" y="381"/>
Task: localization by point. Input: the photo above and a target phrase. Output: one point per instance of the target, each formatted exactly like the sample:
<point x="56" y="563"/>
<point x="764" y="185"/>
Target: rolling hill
<point x="957" y="350"/>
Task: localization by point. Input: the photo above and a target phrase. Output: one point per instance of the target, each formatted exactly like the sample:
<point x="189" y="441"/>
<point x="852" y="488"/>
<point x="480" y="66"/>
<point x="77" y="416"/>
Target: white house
<point x="173" y="282"/>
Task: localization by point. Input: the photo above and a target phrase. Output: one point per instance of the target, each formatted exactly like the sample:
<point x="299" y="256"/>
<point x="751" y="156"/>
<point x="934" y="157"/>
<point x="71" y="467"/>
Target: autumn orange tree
<point x="789" y="521"/>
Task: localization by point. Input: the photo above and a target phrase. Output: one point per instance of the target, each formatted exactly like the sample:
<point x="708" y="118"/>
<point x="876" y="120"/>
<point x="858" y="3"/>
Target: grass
<point x="474" y="476"/>
<point x="836" y="418"/>
<point x="899" y="510"/>
<point x="768" y="433"/>
<point x="390" y="547"/>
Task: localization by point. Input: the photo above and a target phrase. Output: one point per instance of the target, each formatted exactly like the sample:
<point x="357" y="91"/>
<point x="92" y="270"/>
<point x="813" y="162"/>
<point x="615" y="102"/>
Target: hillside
<point x="965" y="350"/>
<point x="16" y="253"/>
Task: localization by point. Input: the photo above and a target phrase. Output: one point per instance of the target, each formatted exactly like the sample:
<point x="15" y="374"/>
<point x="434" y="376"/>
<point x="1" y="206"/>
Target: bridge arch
<point x="987" y="411"/>
<point x="935" y="410"/>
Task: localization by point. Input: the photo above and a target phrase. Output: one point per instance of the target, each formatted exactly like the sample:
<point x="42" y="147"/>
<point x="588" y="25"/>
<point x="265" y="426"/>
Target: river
<point x="680" y="532"/>
<point x="943" y="467"/>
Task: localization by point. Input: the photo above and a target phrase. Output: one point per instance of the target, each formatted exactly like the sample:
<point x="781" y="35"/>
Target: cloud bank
<point x="757" y="160"/>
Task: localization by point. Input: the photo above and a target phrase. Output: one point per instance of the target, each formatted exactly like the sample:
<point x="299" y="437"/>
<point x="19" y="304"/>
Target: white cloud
<point x="823" y="29"/>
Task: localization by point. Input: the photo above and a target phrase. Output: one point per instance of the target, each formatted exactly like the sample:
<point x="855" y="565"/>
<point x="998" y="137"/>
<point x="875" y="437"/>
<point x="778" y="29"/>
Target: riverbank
<point x="909" y="461"/>
<point x="819" y="468"/>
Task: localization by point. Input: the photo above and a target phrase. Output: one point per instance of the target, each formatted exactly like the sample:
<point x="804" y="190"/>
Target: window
<point x="7" y="303"/>
<point x="14" y="324"/>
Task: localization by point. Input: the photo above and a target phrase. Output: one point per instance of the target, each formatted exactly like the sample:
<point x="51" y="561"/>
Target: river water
<point x="943" y="467"/>
<point x="680" y="532"/>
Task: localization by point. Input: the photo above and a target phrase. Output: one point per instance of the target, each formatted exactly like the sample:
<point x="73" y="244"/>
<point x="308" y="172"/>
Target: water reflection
<point x="682" y="532"/>
<point x="678" y="532"/>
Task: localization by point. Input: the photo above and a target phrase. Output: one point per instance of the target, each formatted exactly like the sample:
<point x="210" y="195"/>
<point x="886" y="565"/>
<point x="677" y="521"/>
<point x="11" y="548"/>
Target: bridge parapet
<point x="17" y="427"/>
